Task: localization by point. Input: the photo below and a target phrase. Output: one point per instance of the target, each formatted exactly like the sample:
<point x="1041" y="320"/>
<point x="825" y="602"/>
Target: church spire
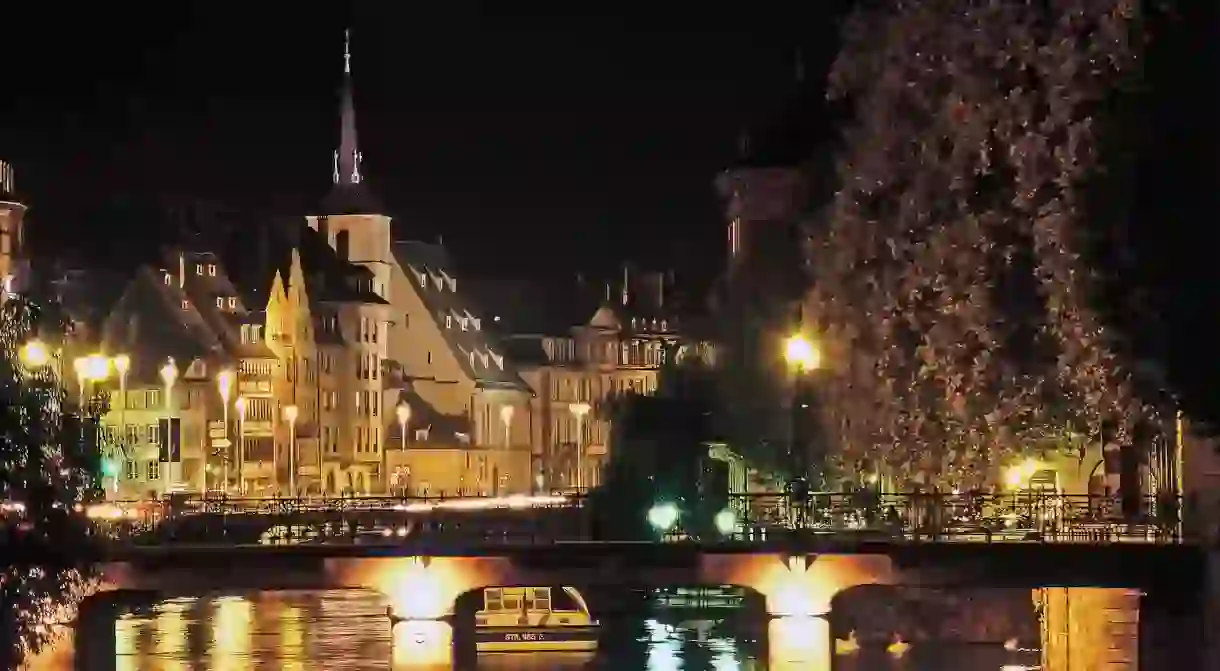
<point x="347" y="157"/>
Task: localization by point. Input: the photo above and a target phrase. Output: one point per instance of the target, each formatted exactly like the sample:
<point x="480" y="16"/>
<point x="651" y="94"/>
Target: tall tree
<point x="952" y="278"/>
<point x="48" y="465"/>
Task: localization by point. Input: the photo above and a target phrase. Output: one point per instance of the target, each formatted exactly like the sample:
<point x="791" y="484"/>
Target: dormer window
<point x="220" y="301"/>
<point x="232" y="303"/>
<point x="211" y="270"/>
<point x="499" y="360"/>
<point x="478" y="323"/>
<point x="169" y="279"/>
<point x="464" y="322"/>
<point x="255" y="333"/>
<point x="186" y="305"/>
<point x="448" y="321"/>
<point x="198" y="268"/>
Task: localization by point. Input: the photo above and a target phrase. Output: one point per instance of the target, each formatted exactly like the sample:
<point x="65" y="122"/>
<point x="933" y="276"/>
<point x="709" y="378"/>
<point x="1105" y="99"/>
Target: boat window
<point x="512" y="599"/>
<point x="540" y="598"/>
<point x="492" y="600"/>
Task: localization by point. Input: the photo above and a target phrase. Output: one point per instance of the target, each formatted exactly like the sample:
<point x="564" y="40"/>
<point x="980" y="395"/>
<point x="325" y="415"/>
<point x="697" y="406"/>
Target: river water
<point x="348" y="630"/>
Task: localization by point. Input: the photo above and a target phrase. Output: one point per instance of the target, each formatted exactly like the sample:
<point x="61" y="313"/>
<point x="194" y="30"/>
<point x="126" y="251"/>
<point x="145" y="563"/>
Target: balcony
<point x="254" y="387"/>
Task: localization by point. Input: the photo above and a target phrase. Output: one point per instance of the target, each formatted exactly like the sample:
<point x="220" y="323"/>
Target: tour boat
<point x="534" y="619"/>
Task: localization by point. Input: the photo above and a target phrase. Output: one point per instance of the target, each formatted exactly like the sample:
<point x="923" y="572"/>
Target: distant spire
<point x="347" y="157"/>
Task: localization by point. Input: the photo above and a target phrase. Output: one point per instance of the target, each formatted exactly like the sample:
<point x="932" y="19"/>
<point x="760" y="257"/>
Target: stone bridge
<point x="1083" y="591"/>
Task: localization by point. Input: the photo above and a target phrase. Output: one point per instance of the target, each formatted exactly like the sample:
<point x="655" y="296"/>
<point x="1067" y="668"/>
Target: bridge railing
<point x="1022" y="515"/>
<point x="960" y="517"/>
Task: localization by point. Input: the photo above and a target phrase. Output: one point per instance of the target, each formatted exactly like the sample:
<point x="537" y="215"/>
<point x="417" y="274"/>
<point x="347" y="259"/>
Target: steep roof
<point x="460" y="322"/>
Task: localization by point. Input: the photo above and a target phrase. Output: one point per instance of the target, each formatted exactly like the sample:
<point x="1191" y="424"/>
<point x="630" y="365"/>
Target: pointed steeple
<point x="347" y="157"/>
<point x="350" y="195"/>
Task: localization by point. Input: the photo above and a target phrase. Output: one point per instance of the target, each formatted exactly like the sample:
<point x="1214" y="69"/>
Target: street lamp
<point x="403" y="413"/>
<point x="240" y="405"/>
<point x="169" y="375"/>
<point x="579" y="410"/>
<point x="290" y="414"/>
<point x="801" y="354"/>
<point x="802" y="357"/>
<point x="506" y="416"/>
<point x="34" y="354"/>
<point x="224" y="383"/>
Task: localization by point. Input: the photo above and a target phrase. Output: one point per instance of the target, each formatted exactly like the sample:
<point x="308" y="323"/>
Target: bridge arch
<point x="425" y="588"/>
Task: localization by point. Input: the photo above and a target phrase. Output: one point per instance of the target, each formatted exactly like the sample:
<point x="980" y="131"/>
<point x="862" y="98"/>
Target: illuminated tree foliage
<point x="47" y="467"/>
<point x="952" y="275"/>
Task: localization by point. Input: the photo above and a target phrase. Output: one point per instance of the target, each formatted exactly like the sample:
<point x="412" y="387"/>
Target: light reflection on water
<point x="348" y="630"/>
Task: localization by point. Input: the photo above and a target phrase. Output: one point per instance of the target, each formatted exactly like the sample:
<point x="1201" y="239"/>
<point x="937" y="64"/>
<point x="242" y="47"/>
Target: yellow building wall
<point x="455" y="471"/>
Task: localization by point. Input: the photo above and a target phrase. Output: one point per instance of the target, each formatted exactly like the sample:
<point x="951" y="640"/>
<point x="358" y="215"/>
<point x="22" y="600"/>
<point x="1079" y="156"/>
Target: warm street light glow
<point x="579" y="409"/>
<point x="1017" y="477"/>
<point x="224" y="382"/>
<point x="96" y="367"/>
<point x="34" y="354"/>
<point x="122" y="364"/>
<point x="290" y="414"/>
<point x="801" y="354"/>
<point x="403" y="413"/>
<point x="240" y="404"/>
<point x="506" y="414"/>
<point x="169" y="372"/>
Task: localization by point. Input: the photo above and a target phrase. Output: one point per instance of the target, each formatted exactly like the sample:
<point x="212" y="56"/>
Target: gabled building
<point x="432" y="378"/>
<point x="186" y="314"/>
<point x="578" y="347"/>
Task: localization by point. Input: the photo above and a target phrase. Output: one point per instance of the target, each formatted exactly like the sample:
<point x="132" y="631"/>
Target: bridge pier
<point x="93" y="639"/>
<point x="1089" y="628"/>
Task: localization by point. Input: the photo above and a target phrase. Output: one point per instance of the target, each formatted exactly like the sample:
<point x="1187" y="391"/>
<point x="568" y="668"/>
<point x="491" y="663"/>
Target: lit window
<point x="220" y="302"/>
<point x="186" y="304"/>
<point x="448" y="322"/>
<point x="198" y="268"/>
<point x="169" y="279"/>
<point x="232" y="303"/>
<point x="211" y="270"/>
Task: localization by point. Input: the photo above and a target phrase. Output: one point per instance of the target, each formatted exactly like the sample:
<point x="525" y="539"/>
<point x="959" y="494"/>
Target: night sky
<point x="528" y="143"/>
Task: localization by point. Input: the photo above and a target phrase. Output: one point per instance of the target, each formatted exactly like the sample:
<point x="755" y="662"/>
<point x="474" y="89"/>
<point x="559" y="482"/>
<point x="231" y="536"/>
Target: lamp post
<point x="403" y="412"/>
<point x="506" y="416"/>
<point x="169" y="375"/>
<point x="122" y="364"/>
<point x="802" y="357"/>
<point x="579" y="410"/>
<point x="240" y="454"/>
<point x="224" y="384"/>
<point x="290" y="414"/>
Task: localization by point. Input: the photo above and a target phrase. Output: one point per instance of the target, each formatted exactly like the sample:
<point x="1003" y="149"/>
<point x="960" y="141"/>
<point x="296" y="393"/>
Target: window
<point x="198" y="268"/>
<point x="132" y="432"/>
<point x="232" y="303"/>
<point x="493" y="599"/>
<point x="343" y="245"/>
<point x="154" y="434"/>
<point x="211" y="270"/>
<point x="448" y="321"/>
<point x="376" y="437"/>
<point x="154" y="470"/>
<point x="220" y="302"/>
<point x="129" y="470"/>
<point x="186" y="304"/>
<point x="169" y="279"/>
<point x="359" y="401"/>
